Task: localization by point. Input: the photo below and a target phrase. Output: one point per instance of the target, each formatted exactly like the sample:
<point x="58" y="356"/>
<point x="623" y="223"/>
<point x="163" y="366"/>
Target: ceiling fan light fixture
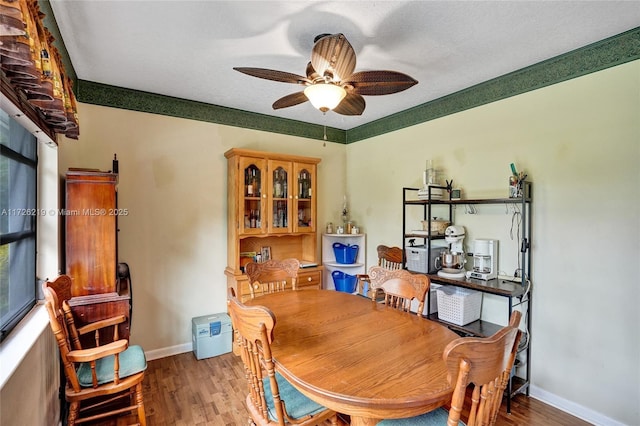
<point x="325" y="96"/>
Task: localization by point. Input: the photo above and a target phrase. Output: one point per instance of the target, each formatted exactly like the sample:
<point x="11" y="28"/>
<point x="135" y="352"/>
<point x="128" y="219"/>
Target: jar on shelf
<point x="348" y="227"/>
<point x="330" y="228"/>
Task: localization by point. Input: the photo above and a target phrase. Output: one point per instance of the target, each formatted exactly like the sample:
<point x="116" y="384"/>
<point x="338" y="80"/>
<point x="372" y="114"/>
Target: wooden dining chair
<point x="272" y="400"/>
<point x="389" y="258"/>
<point x="485" y="364"/>
<point x="103" y="331"/>
<point x="96" y="377"/>
<point x="401" y="287"/>
<point x="272" y="276"/>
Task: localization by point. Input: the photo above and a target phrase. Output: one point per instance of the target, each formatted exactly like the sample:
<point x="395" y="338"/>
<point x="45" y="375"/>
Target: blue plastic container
<point x="345" y="254"/>
<point x="344" y="282"/>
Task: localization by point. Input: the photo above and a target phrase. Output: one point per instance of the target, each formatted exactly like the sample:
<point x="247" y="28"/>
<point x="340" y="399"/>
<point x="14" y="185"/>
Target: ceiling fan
<point x="331" y="83"/>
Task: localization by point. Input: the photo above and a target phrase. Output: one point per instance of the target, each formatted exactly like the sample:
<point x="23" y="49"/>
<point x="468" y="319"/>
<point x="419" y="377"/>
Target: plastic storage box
<point x="417" y="258"/>
<point x="211" y="335"/>
<point x="458" y="305"/>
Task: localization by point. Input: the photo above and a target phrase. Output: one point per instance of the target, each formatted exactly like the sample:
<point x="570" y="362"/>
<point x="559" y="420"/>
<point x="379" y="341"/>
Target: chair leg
<point x="140" y="402"/>
<point x="74" y="408"/>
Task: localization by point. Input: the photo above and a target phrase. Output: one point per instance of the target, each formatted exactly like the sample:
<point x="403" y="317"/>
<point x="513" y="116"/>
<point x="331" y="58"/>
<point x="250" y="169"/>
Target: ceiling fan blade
<point x="352" y="104"/>
<point x="334" y="53"/>
<point x="379" y="82"/>
<point x="274" y="75"/>
<point x="290" y="100"/>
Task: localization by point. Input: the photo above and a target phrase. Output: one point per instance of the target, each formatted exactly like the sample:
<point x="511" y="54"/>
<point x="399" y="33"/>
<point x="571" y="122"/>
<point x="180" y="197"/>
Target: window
<point x="18" y="214"/>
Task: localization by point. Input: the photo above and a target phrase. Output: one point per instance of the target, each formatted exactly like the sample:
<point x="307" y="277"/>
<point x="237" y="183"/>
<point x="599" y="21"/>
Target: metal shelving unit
<point x="518" y="294"/>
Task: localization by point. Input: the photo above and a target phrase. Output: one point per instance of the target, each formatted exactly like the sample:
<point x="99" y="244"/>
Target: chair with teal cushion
<point x="484" y="363"/>
<point x="97" y="377"/>
<point x="437" y="417"/>
<point x="297" y="404"/>
<point x="272" y="400"/>
<point x="132" y="361"/>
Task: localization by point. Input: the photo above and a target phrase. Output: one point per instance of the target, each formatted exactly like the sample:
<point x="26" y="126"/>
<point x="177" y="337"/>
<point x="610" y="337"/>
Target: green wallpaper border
<point x="616" y="50"/>
<point x="119" y="97"/>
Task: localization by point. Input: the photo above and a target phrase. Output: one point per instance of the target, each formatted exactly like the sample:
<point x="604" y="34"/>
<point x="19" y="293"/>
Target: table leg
<point x="363" y="421"/>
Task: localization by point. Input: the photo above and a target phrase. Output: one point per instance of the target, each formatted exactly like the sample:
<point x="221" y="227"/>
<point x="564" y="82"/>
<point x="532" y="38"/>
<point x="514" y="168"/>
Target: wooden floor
<point x="180" y="390"/>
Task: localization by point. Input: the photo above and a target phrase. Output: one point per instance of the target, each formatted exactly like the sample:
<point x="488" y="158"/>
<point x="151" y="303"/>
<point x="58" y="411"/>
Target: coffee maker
<point x="485" y="260"/>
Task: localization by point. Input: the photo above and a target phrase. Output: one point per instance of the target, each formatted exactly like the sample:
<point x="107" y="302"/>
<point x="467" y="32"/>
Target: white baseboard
<point x="577" y="410"/>
<point x="170" y="351"/>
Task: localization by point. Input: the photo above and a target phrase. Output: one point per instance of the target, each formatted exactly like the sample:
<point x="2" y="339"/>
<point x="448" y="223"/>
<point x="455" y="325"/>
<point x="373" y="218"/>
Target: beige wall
<point x="173" y="183"/>
<point x="578" y="140"/>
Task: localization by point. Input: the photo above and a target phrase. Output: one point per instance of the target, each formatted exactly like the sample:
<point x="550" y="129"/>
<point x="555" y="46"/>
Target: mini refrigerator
<point x="211" y="335"/>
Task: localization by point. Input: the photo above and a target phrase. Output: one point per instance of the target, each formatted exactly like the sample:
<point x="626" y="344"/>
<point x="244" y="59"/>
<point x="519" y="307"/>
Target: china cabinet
<point x="271" y="201"/>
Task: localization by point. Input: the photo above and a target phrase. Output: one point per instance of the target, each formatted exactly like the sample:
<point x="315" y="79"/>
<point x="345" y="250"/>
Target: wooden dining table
<point x="358" y="357"/>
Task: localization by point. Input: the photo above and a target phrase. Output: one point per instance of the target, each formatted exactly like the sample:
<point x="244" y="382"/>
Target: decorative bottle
<point x="249" y="183"/>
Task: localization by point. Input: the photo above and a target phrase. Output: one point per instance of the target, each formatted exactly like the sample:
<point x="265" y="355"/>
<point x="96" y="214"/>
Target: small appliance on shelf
<point x="452" y="260"/>
<point x="485" y="260"/>
<point x="430" y="184"/>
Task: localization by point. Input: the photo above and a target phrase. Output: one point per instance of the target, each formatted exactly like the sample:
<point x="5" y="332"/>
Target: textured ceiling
<point x="187" y="49"/>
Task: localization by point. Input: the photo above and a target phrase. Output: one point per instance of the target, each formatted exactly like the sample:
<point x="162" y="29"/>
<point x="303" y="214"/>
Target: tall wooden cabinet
<point x="100" y="287"/>
<point x="90" y="231"/>
<point x="271" y="201"/>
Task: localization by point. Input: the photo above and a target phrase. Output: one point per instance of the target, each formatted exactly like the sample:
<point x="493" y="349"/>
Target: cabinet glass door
<point x="252" y="193"/>
<point x="304" y="209"/>
<point x="279" y="197"/>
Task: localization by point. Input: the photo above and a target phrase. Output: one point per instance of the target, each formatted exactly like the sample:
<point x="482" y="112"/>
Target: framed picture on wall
<point x="265" y="253"/>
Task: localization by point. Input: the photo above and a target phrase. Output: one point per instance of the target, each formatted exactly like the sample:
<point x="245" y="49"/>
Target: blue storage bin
<point x="345" y="254"/>
<point x="344" y="282"/>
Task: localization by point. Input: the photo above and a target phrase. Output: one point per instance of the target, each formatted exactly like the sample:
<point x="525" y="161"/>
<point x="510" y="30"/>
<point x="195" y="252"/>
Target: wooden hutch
<point x="100" y="286"/>
<point x="271" y="213"/>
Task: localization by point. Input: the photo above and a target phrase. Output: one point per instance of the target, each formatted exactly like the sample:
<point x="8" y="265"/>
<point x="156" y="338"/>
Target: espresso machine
<point x="485" y="260"/>
<point x="452" y="260"/>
